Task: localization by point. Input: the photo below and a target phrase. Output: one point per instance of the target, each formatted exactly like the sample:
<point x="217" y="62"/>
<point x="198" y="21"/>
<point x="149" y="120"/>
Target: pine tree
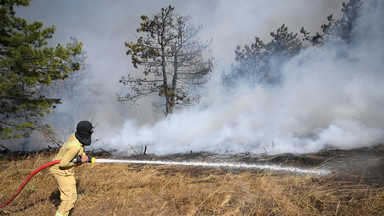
<point x="172" y="58"/>
<point x="260" y="62"/>
<point x="27" y="64"/>
<point x="337" y="30"/>
<point x="73" y="92"/>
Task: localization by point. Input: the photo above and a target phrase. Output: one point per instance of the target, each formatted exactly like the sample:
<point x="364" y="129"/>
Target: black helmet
<point x="83" y="132"/>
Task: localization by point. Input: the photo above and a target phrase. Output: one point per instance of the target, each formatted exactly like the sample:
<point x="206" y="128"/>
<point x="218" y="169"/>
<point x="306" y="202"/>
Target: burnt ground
<point x="363" y="165"/>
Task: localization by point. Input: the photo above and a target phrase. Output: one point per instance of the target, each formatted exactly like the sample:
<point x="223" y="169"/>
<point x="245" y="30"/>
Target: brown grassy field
<point x="121" y="189"/>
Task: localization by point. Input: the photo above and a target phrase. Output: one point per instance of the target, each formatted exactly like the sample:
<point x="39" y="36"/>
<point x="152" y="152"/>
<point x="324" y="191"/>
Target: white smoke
<point x="331" y="97"/>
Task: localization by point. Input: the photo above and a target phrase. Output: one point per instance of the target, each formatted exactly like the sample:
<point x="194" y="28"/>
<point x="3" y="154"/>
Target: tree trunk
<point x="174" y="81"/>
<point x="165" y="81"/>
<point x="27" y="131"/>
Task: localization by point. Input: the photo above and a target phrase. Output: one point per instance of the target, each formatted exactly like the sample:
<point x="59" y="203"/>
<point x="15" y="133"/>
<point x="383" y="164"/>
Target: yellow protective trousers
<point x="66" y="183"/>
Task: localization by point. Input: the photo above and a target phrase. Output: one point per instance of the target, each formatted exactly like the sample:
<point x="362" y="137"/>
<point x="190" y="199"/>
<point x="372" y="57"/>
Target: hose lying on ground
<point x="29" y="178"/>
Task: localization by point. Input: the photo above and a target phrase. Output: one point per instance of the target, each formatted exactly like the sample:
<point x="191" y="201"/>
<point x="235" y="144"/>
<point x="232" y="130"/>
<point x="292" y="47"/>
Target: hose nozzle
<point x="77" y="159"/>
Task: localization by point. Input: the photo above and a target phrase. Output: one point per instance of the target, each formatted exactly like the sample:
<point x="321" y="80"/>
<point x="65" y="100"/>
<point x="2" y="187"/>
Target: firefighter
<point x="63" y="173"/>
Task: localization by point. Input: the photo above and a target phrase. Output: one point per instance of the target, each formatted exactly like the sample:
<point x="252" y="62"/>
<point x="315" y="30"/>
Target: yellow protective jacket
<point x="67" y="152"/>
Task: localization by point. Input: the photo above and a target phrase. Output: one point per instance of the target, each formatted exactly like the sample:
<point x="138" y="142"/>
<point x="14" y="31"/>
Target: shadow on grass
<point x="54" y="198"/>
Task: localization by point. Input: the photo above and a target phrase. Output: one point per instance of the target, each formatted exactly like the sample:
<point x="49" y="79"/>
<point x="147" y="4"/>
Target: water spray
<point x="318" y="172"/>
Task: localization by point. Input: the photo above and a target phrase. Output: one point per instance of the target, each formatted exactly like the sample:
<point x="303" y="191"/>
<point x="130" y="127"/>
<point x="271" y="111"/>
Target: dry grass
<point x="120" y="189"/>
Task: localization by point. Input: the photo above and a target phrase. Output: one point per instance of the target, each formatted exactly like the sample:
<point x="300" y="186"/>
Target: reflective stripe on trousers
<point x="60" y="214"/>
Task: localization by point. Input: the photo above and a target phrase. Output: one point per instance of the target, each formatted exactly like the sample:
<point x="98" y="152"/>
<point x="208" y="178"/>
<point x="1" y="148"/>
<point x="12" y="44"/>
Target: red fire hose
<point x="29" y="178"/>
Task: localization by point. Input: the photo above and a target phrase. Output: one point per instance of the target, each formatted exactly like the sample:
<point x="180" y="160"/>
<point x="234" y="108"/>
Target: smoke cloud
<point x="330" y="97"/>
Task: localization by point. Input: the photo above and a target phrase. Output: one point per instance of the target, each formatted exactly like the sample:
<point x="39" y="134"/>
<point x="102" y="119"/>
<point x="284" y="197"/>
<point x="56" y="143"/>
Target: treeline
<point x="260" y="62"/>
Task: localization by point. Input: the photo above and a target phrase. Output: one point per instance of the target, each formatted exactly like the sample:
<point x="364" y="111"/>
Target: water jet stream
<point x="320" y="172"/>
